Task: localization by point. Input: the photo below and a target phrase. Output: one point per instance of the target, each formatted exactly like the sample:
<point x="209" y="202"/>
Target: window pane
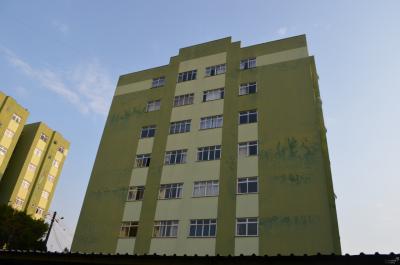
<point x="192" y="231"/>
<point x="253" y="117"/>
<point x="242" y="187"/>
<point x="241" y="229"/>
<point x="253" y="150"/>
<point x="253" y="186"/>
<point x="243" y="119"/>
<point x="252" y="229"/>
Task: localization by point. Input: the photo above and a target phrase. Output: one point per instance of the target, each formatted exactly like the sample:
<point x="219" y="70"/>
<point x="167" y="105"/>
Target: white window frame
<point x="3" y="150"/>
<point x="142" y="160"/>
<point x="187" y="76"/>
<point x="215" y="70"/>
<point x="209" y="153"/>
<point x="171" y="157"/>
<point x="158" y="82"/>
<point x="56" y="163"/>
<point x="31" y="167"/>
<point x="166" y="228"/>
<point x="8" y="133"/>
<point x="246" y="221"/>
<point x="19" y="203"/>
<point x="37" y="151"/>
<point x="208" y="188"/>
<point x="247" y="88"/>
<point x="16" y="118"/>
<point x="25" y="184"/>
<point x="248" y="63"/>
<point x="183" y="100"/>
<point x="198" y="226"/>
<point x="148" y="131"/>
<point x="213" y="94"/>
<point x="248" y="114"/>
<point x="45" y="194"/>
<point x="246" y="182"/>
<point x="211" y="122"/>
<point x="50" y="178"/>
<point x="180" y="126"/>
<point x="170" y="191"/>
<point x="153" y="105"/>
<point x="129" y="229"/>
<point x="135" y="193"/>
<point x="245" y="147"/>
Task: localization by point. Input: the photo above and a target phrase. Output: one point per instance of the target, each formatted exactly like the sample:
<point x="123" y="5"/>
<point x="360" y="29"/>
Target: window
<point x="50" y="178"/>
<point x="19" y="202"/>
<point x="187" y="76"/>
<point x="209" y="153"/>
<point x="205" y="188"/>
<point x="211" y="122"/>
<point x="170" y="191"/>
<point x="247" y="226"/>
<point x="148" y="131"/>
<point x="153" y="105"/>
<point x="248" y="148"/>
<point x="179" y="127"/>
<point x="16" y="118"/>
<point x="158" y="82"/>
<point x="135" y="193"/>
<point x="3" y="150"/>
<point x="247" y="185"/>
<point x="165" y="228"/>
<point x="248" y="63"/>
<point x="25" y="184"/>
<point x="8" y="133"/>
<point x="143" y="160"/>
<point x="60" y="149"/>
<point x="203" y="228"/>
<point x="39" y="211"/>
<point x="175" y="157"/>
<point x="31" y="167"/>
<point x="128" y="229"/>
<point x="216" y="70"/>
<point x="56" y="163"/>
<point x="247" y="88"/>
<point x="248" y="116"/>
<point x="37" y="152"/>
<point x="45" y="194"/>
<point x="183" y="100"/>
<point x="213" y="94"/>
<point x="44" y="137"/>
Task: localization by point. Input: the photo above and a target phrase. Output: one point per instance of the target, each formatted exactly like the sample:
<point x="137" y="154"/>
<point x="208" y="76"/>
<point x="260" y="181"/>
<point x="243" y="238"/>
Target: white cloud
<point x="282" y="31"/>
<point x="61" y="27"/>
<point x="88" y="86"/>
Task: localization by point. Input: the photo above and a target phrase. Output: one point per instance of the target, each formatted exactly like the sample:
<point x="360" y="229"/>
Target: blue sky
<point x="61" y="60"/>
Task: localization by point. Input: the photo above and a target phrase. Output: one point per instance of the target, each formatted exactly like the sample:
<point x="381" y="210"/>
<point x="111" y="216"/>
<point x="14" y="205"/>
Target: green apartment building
<point x="31" y="176"/>
<point x="222" y="151"/>
<point x="12" y="119"/>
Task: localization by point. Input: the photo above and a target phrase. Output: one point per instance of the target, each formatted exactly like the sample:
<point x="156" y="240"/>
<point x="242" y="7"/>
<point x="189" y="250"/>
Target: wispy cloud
<point x="87" y="86"/>
<point x="59" y="26"/>
<point x="282" y="31"/>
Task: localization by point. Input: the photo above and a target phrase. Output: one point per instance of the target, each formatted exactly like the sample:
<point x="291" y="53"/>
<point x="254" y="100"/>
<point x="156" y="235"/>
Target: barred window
<point x="211" y="122"/>
<point x="187" y="76"/>
<point x="25" y="184"/>
<point x="216" y="70"/>
<point x="37" y="152"/>
<point x="209" y="153"/>
<point x="158" y="82"/>
<point x="205" y="188"/>
<point x="153" y="105"/>
<point x="165" y="228"/>
<point x="247" y="226"/>
<point x="247" y="88"/>
<point x="175" y="157"/>
<point x="143" y="160"/>
<point x="248" y="148"/>
<point x="213" y="94"/>
<point x="129" y="229"/>
<point x="9" y="133"/>
<point x="248" y="116"/>
<point x="3" y="150"/>
<point x="16" y="118"/>
<point x="60" y="149"/>
<point x="183" y="100"/>
<point x="203" y="228"/>
<point x="148" y="131"/>
<point x="247" y="63"/>
<point x="135" y="193"/>
<point x="56" y="163"/>
<point x="44" y="137"/>
<point x="247" y="185"/>
<point x="170" y="191"/>
<point x="50" y="178"/>
<point x="19" y="202"/>
<point x="180" y="127"/>
<point x="39" y="211"/>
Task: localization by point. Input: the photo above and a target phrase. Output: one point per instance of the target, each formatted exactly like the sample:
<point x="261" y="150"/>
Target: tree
<point x="20" y="231"/>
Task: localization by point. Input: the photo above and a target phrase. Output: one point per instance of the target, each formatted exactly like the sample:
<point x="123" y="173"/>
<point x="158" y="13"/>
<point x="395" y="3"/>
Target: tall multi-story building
<point x="12" y="119"/>
<point x="31" y="177"/>
<point x="222" y="151"/>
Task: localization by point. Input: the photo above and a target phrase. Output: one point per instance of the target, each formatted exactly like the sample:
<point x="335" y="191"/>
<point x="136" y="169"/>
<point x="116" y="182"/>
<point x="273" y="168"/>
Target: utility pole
<point x="51" y="225"/>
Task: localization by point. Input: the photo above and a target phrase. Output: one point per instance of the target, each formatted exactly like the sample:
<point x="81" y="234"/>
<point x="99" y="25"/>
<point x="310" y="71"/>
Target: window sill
<point x="208" y="160"/>
<point x="212" y="100"/>
<point x="182" y="105"/>
<point x="165" y="237"/>
<point x="126" y="237"/>
<point x="247" y="94"/>
<point x="174" y="164"/>
<point x="134" y="200"/>
<point x="239" y="236"/>
<point x="168" y="199"/>
<point x="201" y="237"/>
<point x="155" y="87"/>
<point x="207" y="76"/>
<point x="210" y="128"/>
<point x="207" y="196"/>
<point x="248" y="193"/>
